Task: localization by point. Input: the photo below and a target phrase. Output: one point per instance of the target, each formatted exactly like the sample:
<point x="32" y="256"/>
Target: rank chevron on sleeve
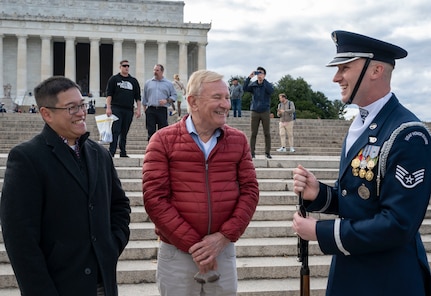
<point x="409" y="180"/>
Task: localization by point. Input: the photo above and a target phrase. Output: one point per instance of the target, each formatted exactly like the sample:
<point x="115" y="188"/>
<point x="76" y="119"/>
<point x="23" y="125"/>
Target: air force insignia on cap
<point x="352" y="46"/>
<point x="407" y="179"/>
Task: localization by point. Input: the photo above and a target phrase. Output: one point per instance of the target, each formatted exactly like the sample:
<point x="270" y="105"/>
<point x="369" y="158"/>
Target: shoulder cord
<point x="386" y="148"/>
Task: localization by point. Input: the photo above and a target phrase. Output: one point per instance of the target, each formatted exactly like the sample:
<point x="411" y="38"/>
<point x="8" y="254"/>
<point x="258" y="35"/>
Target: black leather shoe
<point x="253" y="155"/>
<point x="268" y="155"/>
<point x="124" y="155"/>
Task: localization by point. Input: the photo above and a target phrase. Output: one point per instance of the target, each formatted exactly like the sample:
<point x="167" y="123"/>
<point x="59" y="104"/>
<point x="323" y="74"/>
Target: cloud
<point x="293" y="38"/>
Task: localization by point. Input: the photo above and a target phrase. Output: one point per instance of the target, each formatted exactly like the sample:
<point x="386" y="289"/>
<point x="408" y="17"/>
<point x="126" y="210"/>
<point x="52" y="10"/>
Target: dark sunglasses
<point x="125" y="65"/>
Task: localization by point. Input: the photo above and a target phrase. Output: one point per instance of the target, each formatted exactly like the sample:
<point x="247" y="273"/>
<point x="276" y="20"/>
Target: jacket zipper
<point x="209" y="198"/>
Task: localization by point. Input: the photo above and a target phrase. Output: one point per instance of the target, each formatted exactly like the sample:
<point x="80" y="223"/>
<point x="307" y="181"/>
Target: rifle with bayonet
<point x="303" y="254"/>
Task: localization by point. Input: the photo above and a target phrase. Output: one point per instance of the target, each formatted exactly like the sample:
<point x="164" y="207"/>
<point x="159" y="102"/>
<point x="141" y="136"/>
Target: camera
<point x="257" y="72"/>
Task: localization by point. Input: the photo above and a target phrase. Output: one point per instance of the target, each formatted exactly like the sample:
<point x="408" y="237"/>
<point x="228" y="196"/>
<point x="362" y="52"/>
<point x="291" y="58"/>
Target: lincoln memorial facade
<point x="86" y="39"/>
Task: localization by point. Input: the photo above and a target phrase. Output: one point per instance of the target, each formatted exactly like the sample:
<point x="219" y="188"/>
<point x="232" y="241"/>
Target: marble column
<point x="1" y="67"/>
<point x="202" y="56"/>
<point x="46" y="58"/>
<point x="182" y="62"/>
<point x="94" y="67"/>
<point x="117" y="55"/>
<point x="70" y="58"/>
<point x="161" y="56"/>
<point x="140" y="62"/>
<point x="21" y="69"/>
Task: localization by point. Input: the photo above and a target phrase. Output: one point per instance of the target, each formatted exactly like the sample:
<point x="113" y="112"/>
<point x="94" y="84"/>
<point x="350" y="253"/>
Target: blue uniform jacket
<point x="375" y="242"/>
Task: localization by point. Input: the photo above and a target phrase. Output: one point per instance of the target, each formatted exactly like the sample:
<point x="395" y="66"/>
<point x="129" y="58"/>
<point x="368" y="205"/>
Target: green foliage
<point x="308" y="103"/>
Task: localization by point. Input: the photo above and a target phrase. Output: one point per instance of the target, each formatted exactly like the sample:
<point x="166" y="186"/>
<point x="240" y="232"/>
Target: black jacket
<point x="64" y="225"/>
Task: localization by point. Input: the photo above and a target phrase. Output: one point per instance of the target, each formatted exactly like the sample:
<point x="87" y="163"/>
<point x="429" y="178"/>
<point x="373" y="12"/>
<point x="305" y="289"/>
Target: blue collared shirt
<point x="156" y="90"/>
<point x="205" y="147"/>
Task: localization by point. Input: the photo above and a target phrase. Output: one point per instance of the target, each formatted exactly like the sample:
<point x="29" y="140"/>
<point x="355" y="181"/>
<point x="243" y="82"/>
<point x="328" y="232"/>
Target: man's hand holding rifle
<point x="306" y="187"/>
<point x="303" y="254"/>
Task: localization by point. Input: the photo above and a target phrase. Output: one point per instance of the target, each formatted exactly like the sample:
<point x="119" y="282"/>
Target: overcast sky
<point x="294" y="37"/>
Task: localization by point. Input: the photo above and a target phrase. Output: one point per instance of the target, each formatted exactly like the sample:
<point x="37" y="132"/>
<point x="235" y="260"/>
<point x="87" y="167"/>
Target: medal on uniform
<point x="355" y="172"/>
<point x="364" y="163"/>
<point x="364" y="192"/>
<point x="355" y="163"/>
<point x="369" y="175"/>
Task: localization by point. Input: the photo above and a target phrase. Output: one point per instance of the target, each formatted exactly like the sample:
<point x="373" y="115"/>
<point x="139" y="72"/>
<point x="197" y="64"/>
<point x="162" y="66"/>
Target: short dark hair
<point x="46" y="92"/>
<point x="161" y="67"/>
<point x="123" y="61"/>
<point x="261" y="69"/>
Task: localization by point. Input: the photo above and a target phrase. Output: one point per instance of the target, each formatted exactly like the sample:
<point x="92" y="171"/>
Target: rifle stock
<point x="303" y="255"/>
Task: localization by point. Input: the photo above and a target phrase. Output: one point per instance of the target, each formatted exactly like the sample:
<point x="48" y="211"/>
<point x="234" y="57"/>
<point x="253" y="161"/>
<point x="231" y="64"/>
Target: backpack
<point x="293" y="114"/>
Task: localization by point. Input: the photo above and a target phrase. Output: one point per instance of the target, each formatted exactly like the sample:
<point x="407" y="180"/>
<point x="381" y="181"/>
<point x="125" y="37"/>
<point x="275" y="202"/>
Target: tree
<point x="308" y="103"/>
<point x="340" y="107"/>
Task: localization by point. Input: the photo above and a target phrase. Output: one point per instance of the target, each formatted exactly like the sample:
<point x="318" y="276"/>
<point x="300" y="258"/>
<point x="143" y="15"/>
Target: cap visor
<point x="339" y="61"/>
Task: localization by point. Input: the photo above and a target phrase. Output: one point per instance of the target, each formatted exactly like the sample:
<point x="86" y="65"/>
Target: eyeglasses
<point x="125" y="65"/>
<point x="72" y="110"/>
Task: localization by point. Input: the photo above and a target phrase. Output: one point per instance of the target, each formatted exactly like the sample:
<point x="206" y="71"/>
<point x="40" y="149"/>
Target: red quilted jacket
<point x="187" y="197"/>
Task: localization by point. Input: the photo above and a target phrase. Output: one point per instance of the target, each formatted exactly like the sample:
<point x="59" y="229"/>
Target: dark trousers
<point x="120" y="129"/>
<point x="236" y="107"/>
<point x="256" y="118"/>
<point x="156" y="118"/>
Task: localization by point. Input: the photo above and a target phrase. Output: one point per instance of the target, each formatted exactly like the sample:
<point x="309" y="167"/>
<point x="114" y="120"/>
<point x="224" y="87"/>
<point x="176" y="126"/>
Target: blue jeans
<point x="236" y="106"/>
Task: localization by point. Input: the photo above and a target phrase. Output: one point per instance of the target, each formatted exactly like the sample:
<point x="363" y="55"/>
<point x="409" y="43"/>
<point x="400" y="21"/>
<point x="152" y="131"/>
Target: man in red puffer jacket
<point x="200" y="190"/>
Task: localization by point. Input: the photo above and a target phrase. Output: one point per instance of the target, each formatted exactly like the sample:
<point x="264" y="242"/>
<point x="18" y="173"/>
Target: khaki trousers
<point x="286" y="128"/>
<point x="176" y="269"/>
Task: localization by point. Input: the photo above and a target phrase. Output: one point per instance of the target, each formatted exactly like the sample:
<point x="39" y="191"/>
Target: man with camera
<point x="261" y="91"/>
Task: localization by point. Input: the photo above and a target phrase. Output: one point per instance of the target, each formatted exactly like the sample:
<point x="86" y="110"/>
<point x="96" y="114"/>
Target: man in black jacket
<point x="64" y="215"/>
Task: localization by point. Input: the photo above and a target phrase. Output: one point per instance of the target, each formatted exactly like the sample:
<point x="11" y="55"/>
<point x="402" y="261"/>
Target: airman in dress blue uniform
<point x="384" y="183"/>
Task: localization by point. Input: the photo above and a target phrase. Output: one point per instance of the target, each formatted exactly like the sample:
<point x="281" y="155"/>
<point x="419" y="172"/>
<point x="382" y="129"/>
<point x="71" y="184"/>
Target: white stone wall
<point x="153" y="11"/>
<point x="9" y="63"/>
<point x="152" y="22"/>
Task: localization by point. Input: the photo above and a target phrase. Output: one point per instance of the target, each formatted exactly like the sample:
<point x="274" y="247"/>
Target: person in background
<point x="200" y="190"/>
<point x="158" y="94"/>
<point x="64" y="215"/>
<point x="181" y="92"/>
<point x="236" y="93"/>
<point x="383" y="189"/>
<point x="286" y="111"/>
<point x="261" y="91"/>
<point x="32" y="109"/>
<point x="91" y="107"/>
<point x="122" y="92"/>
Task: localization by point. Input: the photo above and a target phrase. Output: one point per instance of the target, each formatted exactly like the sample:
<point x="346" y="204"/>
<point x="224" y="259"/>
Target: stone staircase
<point x="311" y="136"/>
<point x="266" y="253"/>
